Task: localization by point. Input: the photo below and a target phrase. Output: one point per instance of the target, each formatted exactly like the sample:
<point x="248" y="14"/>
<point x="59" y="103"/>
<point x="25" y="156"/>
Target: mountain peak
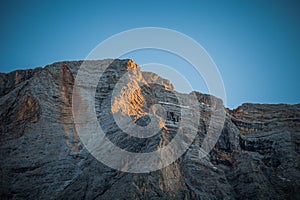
<point x="43" y="155"/>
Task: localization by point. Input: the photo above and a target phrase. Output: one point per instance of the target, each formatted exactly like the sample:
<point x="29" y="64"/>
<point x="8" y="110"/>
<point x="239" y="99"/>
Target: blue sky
<point x="255" y="44"/>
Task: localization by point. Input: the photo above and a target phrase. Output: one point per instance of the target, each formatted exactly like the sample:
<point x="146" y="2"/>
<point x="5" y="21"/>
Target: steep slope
<point x="42" y="156"/>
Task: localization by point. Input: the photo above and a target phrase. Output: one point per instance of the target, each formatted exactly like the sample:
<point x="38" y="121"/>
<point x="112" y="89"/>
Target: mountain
<point x="43" y="156"/>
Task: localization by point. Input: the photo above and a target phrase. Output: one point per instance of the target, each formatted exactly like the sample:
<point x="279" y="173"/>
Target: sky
<point x="254" y="44"/>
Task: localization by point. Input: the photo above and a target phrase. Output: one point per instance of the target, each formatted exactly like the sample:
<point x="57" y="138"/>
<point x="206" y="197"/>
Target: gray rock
<point x="42" y="157"/>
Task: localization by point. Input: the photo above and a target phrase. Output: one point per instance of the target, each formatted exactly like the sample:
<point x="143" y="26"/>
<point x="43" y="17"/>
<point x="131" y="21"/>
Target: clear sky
<point x="255" y="44"/>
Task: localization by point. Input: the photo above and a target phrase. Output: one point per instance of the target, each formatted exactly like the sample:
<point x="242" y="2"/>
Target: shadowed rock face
<point x="42" y="157"/>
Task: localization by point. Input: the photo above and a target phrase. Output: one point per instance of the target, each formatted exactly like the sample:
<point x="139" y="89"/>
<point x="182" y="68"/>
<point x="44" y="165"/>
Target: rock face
<point x="257" y="155"/>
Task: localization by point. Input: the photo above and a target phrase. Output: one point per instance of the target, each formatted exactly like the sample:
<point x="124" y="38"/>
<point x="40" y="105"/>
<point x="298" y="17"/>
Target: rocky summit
<point x="256" y="156"/>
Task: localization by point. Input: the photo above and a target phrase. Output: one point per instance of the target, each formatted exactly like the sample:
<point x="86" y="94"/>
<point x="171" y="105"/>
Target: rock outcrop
<point x="257" y="155"/>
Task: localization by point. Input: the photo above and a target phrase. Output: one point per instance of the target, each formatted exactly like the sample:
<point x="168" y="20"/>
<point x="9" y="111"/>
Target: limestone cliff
<point x="42" y="156"/>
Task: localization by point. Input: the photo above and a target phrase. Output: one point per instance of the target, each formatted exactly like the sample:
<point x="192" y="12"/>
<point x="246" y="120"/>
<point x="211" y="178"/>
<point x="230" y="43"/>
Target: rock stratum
<point x="257" y="155"/>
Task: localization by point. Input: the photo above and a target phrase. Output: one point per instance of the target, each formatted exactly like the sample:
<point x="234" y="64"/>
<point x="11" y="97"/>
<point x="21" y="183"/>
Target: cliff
<point x="43" y="157"/>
